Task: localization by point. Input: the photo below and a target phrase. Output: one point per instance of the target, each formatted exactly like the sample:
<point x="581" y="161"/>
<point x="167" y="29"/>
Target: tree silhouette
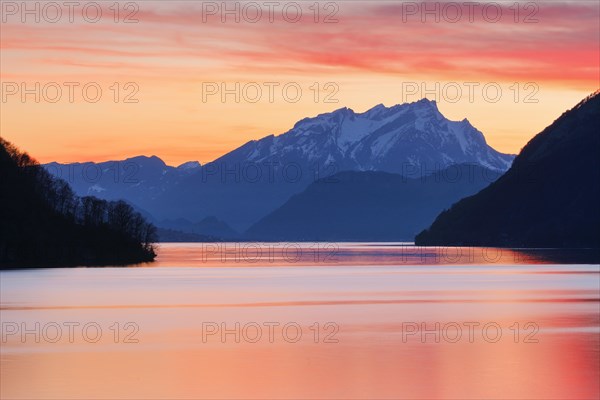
<point x="43" y="223"/>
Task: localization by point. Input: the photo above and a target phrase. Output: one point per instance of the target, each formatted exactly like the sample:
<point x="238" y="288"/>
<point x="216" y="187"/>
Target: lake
<point x="311" y="320"/>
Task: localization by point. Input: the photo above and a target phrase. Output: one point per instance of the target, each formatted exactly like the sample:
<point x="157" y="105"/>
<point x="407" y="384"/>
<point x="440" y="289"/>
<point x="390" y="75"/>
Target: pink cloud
<point x="370" y="37"/>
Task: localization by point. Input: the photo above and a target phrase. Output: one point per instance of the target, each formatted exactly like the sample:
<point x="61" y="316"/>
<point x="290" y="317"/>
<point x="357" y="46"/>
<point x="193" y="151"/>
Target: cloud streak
<point x="563" y="44"/>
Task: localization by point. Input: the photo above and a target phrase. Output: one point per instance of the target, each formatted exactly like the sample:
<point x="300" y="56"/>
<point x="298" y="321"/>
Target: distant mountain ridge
<point x="128" y="179"/>
<point x="253" y="180"/>
<point x="549" y="198"/>
<point x="370" y="206"/>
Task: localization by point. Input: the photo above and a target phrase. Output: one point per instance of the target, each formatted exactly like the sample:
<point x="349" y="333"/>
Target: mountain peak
<point x="343" y="110"/>
<point x="423" y="103"/>
<point x="381" y="111"/>
<point x="425" y="100"/>
<point x="189" y="165"/>
<point x="342" y="113"/>
<point x="145" y="160"/>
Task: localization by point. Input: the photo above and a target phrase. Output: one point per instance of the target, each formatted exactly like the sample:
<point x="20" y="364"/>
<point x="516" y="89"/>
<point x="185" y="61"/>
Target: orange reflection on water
<point x="321" y="253"/>
<point x="393" y="330"/>
<point x="364" y="366"/>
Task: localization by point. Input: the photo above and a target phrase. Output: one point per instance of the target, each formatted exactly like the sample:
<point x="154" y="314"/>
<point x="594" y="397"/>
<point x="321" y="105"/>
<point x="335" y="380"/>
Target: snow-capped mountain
<point x="380" y="139"/>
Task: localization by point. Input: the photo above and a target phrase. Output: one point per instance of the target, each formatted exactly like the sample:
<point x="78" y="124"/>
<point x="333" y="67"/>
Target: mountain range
<point x="247" y="184"/>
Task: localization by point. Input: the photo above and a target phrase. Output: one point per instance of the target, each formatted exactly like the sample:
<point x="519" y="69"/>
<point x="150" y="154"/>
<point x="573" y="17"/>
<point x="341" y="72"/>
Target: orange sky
<point x="365" y="54"/>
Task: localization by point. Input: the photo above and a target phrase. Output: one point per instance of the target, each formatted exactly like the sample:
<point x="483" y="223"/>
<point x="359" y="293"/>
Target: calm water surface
<point x="307" y="321"/>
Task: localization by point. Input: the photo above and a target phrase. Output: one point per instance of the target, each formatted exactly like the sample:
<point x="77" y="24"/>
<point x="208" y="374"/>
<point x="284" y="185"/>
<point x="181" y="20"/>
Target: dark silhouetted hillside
<point x="550" y="197"/>
<point x="42" y="223"/>
<point x="370" y="206"/>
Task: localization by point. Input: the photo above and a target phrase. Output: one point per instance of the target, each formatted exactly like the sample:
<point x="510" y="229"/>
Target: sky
<point x="192" y="80"/>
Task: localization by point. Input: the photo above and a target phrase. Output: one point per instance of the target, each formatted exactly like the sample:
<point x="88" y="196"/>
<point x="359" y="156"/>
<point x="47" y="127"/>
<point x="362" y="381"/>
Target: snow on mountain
<point x="382" y="138"/>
